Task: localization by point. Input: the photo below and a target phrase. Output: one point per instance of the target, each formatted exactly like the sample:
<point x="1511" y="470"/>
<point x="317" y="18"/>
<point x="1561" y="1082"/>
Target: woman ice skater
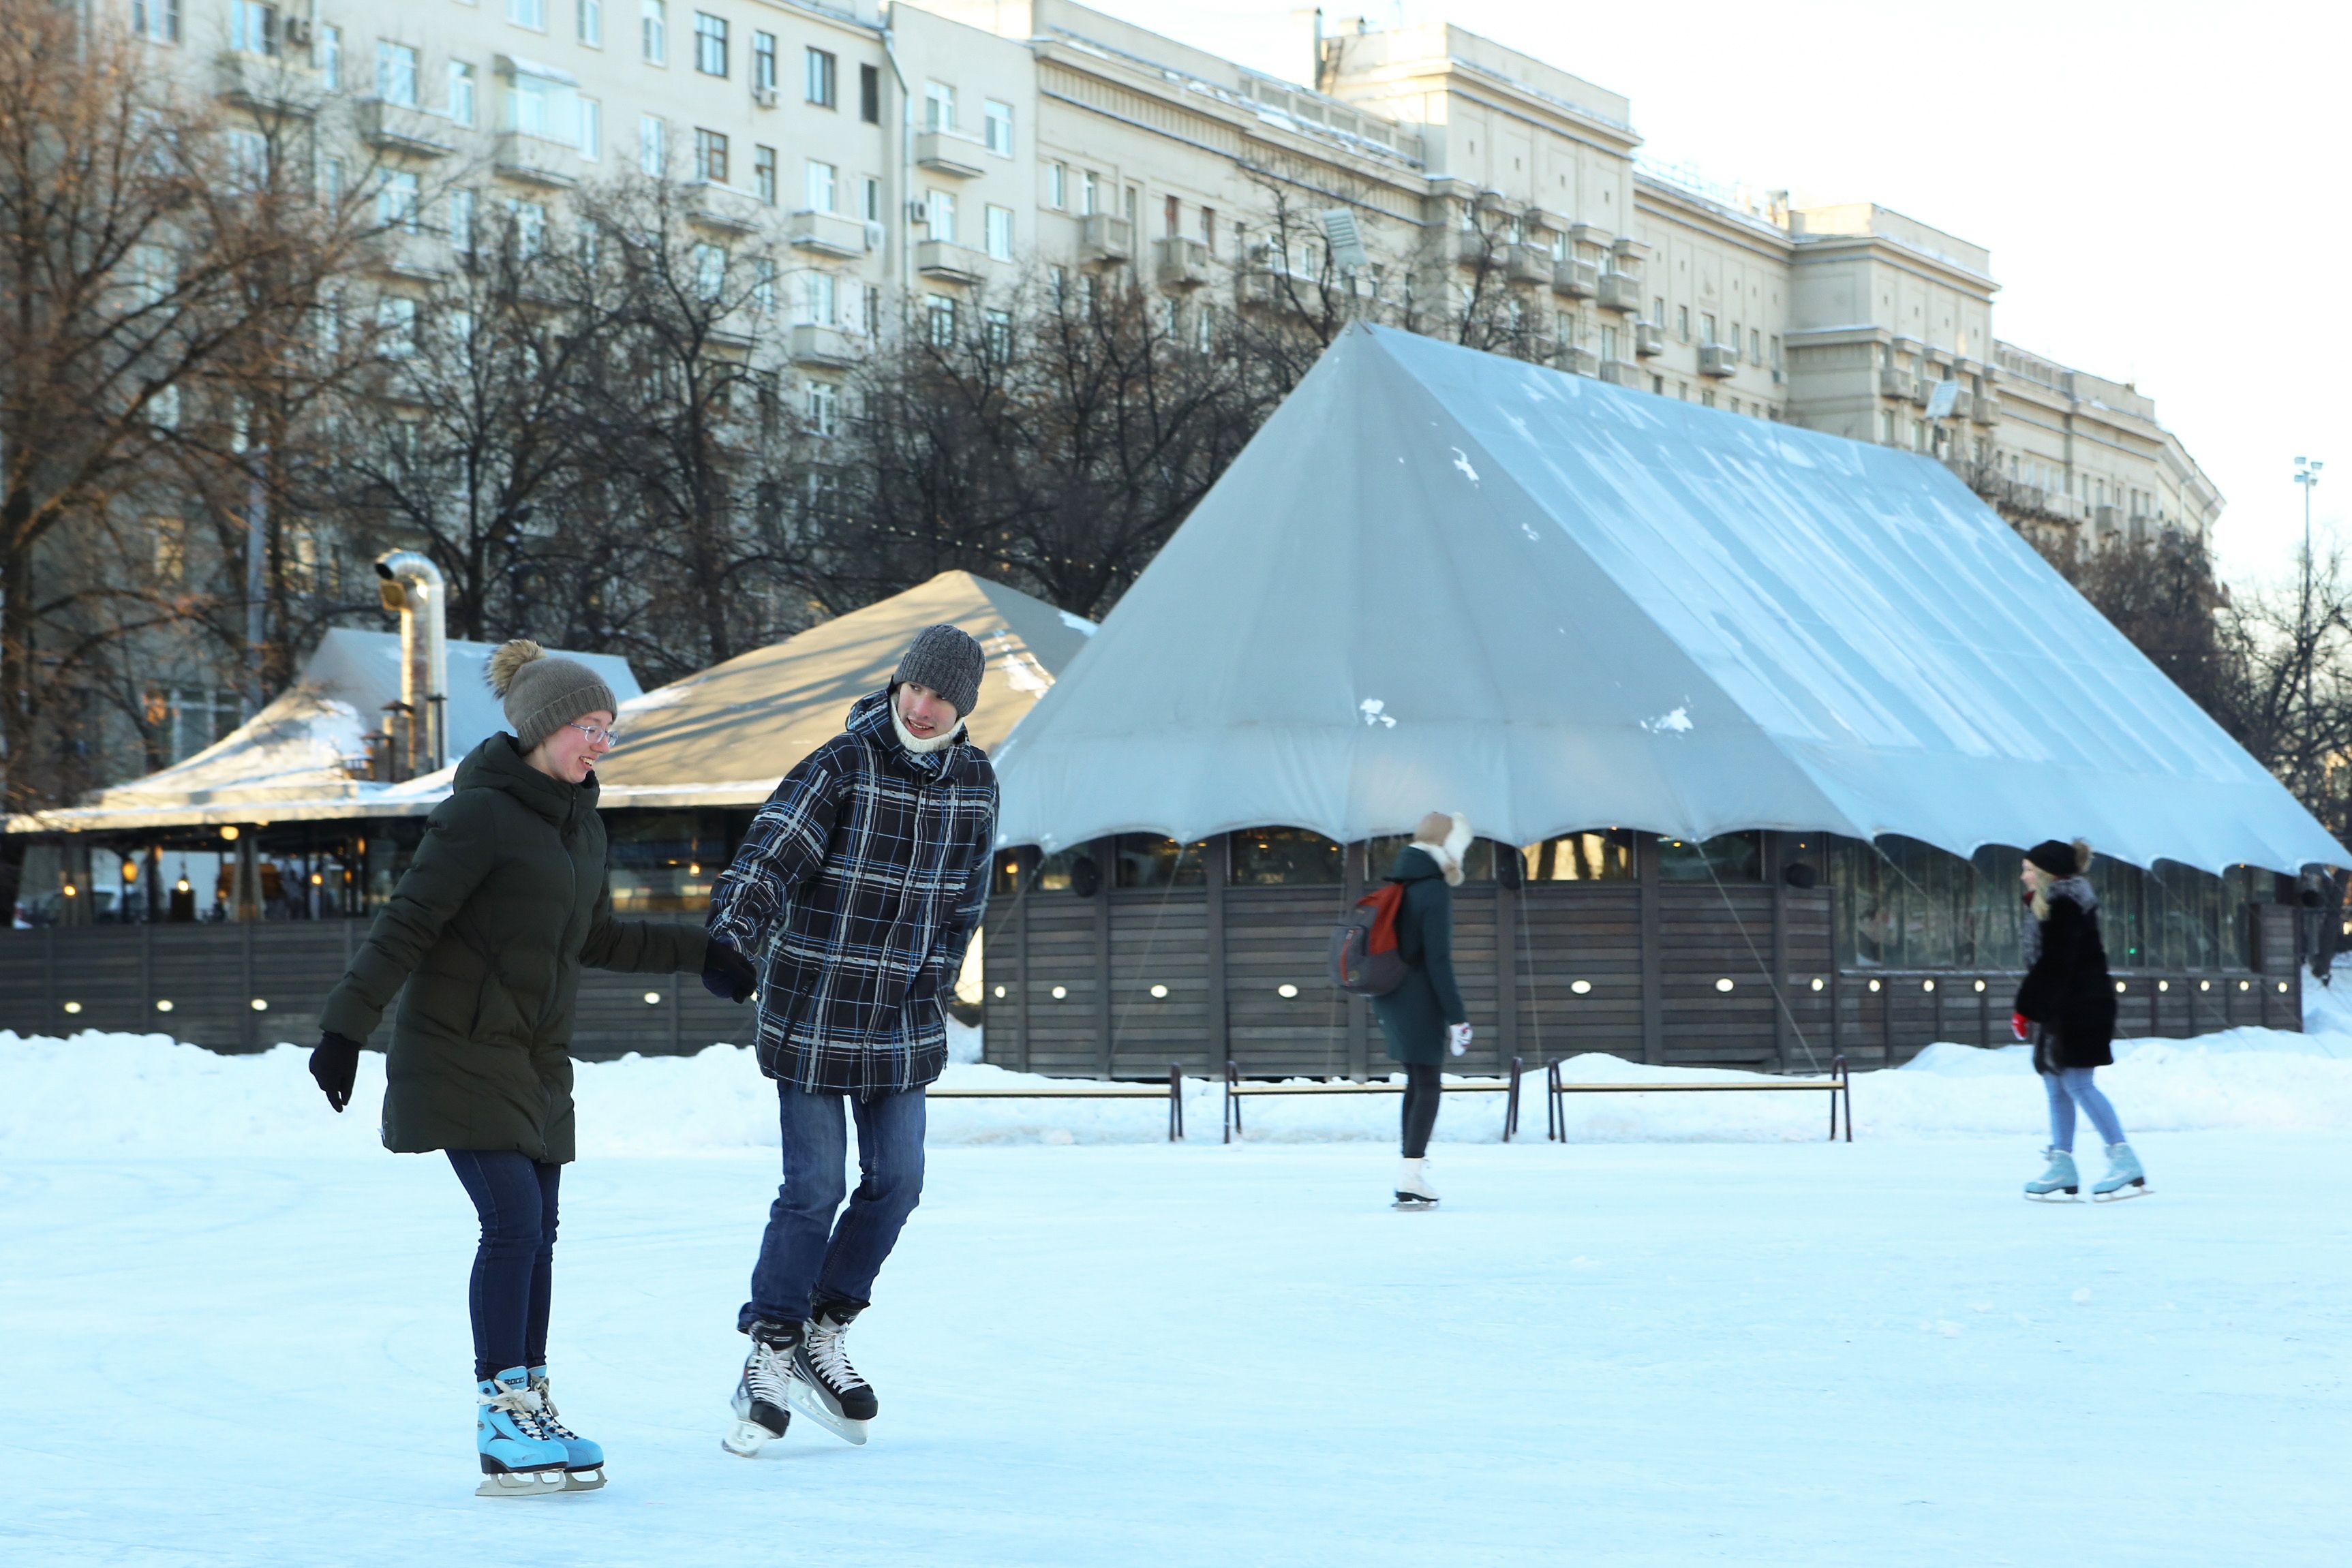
<point x="1423" y="1018"/>
<point x="2066" y="1007"/>
<point x="488" y="930"/>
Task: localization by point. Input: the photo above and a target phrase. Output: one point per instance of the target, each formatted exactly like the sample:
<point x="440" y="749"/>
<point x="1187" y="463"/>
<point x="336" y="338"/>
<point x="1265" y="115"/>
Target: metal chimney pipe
<point x="422" y="600"/>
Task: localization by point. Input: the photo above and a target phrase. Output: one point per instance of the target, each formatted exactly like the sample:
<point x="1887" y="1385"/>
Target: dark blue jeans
<point x="514" y="1265"/>
<point x="804" y="1257"/>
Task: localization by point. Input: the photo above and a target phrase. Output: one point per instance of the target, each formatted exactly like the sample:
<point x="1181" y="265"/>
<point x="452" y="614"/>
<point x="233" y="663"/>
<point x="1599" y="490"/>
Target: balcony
<point x="398" y="127"/>
<point x="826" y="234"/>
<point x="535" y="160"/>
<point x="1575" y="279"/>
<point x="1579" y="361"/>
<point x="946" y="153"/>
<point x="273" y="86"/>
<point x="1649" y="338"/>
<point x="727" y="210"/>
<point x="950" y="262"/>
<point x="1621" y="292"/>
<point x="1105" y="241"/>
<point x="1525" y="264"/>
<point x="421" y="257"/>
<point x="1902" y="384"/>
<point x="827" y="346"/>
<point x="1181" y="262"/>
<point x="1986" y="409"/>
<point x="1718" y="360"/>
<point x="1623" y="373"/>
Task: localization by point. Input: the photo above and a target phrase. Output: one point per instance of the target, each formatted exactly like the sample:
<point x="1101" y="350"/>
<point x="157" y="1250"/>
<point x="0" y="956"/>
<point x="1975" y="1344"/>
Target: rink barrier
<point x="1235" y="1088"/>
<point x="1173" y="1092"/>
<point x="1837" y="1086"/>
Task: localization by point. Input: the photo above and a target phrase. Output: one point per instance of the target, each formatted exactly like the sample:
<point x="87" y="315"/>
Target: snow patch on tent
<point x="1675" y="723"/>
<point x="1461" y="461"/>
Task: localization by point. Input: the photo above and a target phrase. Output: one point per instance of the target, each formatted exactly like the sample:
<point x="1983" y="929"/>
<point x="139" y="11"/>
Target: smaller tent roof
<point x="297" y="757"/>
<point x="725" y="735"/>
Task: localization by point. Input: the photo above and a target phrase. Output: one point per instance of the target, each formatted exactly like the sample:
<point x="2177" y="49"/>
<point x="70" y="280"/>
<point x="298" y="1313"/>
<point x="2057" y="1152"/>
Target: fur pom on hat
<point x="542" y="692"/>
<point x="1446" y="838"/>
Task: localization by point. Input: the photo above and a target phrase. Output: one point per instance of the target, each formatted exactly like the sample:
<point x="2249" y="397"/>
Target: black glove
<point x="727" y="974"/>
<point x="336" y="1065"/>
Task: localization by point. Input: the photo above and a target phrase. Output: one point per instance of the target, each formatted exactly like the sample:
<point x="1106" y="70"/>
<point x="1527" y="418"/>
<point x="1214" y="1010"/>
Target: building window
<point x="327" y="55"/>
<point x="461" y="92"/>
<point x="529" y="14"/>
<point x="709" y="44"/>
<point x="159" y="21"/>
<point x="1284" y="857"/>
<point x="1608" y="342"/>
<point x="395" y="202"/>
<point x="869" y="198"/>
<point x="395" y="327"/>
<point x="822" y="71"/>
<point x="1090" y="193"/>
<point x="544" y="109"/>
<point x="530" y="227"/>
<point x="820" y="298"/>
<point x="253" y="29"/>
<point x="1707" y="330"/>
<point x="1000" y="233"/>
<point x="653" y="145"/>
<point x="1658" y="312"/>
<point x="823" y="402"/>
<point x="1603" y="856"/>
<point x="938" y="107"/>
<point x="869" y="94"/>
<point x="763" y="284"/>
<point x="822" y="179"/>
<point x="998" y="120"/>
<point x="591" y="130"/>
<point x="395" y="74"/>
<point x="710" y="156"/>
<point x="763" y="64"/>
<point x="763" y="173"/>
<point x="588" y="21"/>
<point x="1209" y="228"/>
<point x="1000" y="336"/>
<point x="940" y="215"/>
<point x="1682" y="322"/>
<point x="461" y="222"/>
<point x="1172" y="215"/>
<point x="653" y="31"/>
<point x="1057" y="185"/>
<point x="709" y="270"/>
<point x="1755" y="346"/>
<point x="1776" y="350"/>
<point x="939" y="313"/>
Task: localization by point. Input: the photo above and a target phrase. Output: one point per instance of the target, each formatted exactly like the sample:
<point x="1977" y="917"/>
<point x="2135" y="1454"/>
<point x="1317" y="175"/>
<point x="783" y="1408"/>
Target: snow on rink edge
<point x="149" y="1094"/>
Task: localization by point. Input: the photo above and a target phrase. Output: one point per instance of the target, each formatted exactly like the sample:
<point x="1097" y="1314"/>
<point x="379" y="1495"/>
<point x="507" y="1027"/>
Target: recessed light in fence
<point x="1724" y="983"/>
<point x="2282" y="988"/>
<point x="2204" y="984"/>
<point x="1926" y="985"/>
<point x="1979" y="985"/>
<point x="1873" y="985"/>
<point x="163" y="1004"/>
<point x="653" y="998"/>
<point x="73" y="1006"/>
<point x="1817" y="982"/>
<point x="1581" y="988"/>
<point x="260" y="1006"/>
<point x="1286" y="990"/>
<point x="2164" y="985"/>
<point x="1158" y="990"/>
<point x="1061" y="991"/>
<point x="2121" y="987"/>
<point x="2246" y="985"/>
<point x="999" y="992"/>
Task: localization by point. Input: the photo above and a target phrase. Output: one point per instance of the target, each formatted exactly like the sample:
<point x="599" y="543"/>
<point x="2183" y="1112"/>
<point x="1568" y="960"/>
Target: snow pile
<point x="105" y="1094"/>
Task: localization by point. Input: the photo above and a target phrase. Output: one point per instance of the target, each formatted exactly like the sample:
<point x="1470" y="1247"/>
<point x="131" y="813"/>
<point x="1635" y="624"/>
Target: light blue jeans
<point x="2073" y="1087"/>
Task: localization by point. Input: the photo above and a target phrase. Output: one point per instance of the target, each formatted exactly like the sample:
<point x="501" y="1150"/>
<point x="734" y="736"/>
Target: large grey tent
<point x="1442" y="578"/>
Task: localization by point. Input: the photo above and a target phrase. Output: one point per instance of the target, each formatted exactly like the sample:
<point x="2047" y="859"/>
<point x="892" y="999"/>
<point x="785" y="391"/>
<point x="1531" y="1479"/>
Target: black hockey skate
<point x="824" y="1387"/>
<point x="762" y="1395"/>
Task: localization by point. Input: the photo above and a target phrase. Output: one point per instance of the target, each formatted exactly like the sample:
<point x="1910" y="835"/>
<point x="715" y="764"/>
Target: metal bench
<point x="1173" y="1093"/>
<point x="1836" y="1086"/>
<point x="1235" y="1089"/>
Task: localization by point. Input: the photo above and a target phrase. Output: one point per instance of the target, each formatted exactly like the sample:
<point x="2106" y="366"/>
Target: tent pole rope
<point x="1527" y="946"/>
<point x="1770" y="979"/>
<point x="1119" y="1025"/>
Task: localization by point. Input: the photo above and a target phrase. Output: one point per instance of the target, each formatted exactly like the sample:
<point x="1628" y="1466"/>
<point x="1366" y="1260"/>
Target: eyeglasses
<point x="600" y="733"/>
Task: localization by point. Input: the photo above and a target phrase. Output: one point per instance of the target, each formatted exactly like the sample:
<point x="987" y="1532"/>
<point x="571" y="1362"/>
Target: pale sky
<point x="2151" y="178"/>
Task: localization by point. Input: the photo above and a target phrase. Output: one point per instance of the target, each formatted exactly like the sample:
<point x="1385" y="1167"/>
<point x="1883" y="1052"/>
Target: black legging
<point x="1421" y="1097"/>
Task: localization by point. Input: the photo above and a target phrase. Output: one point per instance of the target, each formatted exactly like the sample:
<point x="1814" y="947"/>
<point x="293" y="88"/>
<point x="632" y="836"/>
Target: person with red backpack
<point x="1421" y="1015"/>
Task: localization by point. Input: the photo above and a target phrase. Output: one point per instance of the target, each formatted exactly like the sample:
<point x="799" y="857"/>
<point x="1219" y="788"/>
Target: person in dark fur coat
<point x="2066" y="1007"/>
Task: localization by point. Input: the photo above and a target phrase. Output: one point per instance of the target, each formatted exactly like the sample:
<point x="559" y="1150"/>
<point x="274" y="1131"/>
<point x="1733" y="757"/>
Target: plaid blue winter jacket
<point x="854" y="893"/>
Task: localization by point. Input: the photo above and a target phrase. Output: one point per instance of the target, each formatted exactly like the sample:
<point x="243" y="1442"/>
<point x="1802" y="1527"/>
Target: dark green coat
<point x="1414" y="1016"/>
<point x="487" y="931"/>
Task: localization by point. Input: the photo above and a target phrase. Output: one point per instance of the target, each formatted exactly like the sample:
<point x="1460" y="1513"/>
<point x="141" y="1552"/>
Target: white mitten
<point x="1457" y="1037"/>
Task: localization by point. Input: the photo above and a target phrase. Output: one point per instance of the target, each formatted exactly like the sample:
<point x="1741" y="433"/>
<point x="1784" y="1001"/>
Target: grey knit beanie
<point x="946" y="659"/>
<point x="542" y="694"/>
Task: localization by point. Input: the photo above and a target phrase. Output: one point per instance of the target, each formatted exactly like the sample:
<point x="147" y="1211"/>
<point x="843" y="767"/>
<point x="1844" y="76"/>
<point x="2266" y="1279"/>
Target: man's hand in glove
<point x="335" y="1063"/>
<point x="727" y="974"/>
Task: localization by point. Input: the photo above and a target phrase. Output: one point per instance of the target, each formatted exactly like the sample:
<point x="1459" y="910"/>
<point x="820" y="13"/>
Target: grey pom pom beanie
<point x="946" y="659"/>
<point x="542" y="694"/>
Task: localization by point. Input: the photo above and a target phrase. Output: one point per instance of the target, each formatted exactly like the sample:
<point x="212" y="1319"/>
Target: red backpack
<point x="1365" y="961"/>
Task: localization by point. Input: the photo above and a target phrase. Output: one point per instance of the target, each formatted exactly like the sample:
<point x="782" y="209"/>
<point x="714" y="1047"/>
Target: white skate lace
<point x="523" y="1405"/>
<point x="830" y="1356"/>
<point x="767" y="1372"/>
<point x="548" y="1425"/>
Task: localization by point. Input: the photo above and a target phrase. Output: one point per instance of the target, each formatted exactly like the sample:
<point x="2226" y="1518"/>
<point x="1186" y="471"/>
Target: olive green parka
<point x="487" y="931"/>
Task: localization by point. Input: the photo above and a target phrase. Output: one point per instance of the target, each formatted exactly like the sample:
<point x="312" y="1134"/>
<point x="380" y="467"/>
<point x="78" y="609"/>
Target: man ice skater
<point x="849" y="906"/>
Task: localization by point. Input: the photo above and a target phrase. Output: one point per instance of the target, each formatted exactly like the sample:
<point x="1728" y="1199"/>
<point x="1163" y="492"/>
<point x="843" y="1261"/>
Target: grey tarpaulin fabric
<point x="1438" y="579"/>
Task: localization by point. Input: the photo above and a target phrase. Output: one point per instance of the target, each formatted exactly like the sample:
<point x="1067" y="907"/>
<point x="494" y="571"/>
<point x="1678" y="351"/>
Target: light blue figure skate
<point x="2124" y="1178"/>
<point x="2059" y="1184"/>
<point x="517" y="1460"/>
<point x="583" y="1463"/>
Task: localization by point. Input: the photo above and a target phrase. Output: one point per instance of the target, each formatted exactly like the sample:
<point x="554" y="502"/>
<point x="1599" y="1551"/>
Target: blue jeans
<point x="514" y="1265"/>
<point x="2073" y="1087"/>
<point x="806" y="1258"/>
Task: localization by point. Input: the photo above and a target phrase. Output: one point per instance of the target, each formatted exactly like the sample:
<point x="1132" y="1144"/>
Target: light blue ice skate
<point x="517" y="1460"/>
<point x="2059" y="1184"/>
<point x="583" y="1462"/>
<point x="2124" y="1178"/>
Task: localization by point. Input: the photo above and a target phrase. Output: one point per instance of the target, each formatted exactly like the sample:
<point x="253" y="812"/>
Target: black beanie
<point x="2056" y="857"/>
<point x="946" y="659"/>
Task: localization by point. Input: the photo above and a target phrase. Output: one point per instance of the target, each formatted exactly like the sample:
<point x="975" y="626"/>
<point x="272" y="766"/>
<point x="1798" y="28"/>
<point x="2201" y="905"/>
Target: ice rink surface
<point x="1614" y="1353"/>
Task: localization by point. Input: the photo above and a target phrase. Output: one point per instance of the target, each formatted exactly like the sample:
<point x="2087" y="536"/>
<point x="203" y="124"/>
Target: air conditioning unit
<point x="918" y="212"/>
<point x="763" y="95"/>
<point x="875" y="235"/>
<point x="298" y="32"/>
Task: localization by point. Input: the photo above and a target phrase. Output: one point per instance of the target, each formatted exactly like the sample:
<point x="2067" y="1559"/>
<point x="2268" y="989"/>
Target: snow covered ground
<point x="234" y="1329"/>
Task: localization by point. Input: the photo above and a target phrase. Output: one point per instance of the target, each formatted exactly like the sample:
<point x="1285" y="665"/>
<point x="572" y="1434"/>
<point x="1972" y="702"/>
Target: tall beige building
<point x="931" y="157"/>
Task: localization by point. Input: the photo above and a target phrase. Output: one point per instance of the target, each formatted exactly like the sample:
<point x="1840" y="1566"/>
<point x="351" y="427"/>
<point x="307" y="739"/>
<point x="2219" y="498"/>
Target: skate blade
<point x="746" y="1439"/>
<point x="2137" y="1189"/>
<point x="808" y="1402"/>
<point x="584" y="1480"/>
<point x="2060" y="1196"/>
<point x="522" y="1483"/>
<point x="1412" y="1205"/>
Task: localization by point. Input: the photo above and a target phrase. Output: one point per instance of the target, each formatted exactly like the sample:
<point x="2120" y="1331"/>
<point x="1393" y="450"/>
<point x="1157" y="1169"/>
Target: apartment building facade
<point x="933" y="159"/>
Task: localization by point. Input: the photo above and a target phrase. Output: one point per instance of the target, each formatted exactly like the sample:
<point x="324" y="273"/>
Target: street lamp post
<point x="2306" y="474"/>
